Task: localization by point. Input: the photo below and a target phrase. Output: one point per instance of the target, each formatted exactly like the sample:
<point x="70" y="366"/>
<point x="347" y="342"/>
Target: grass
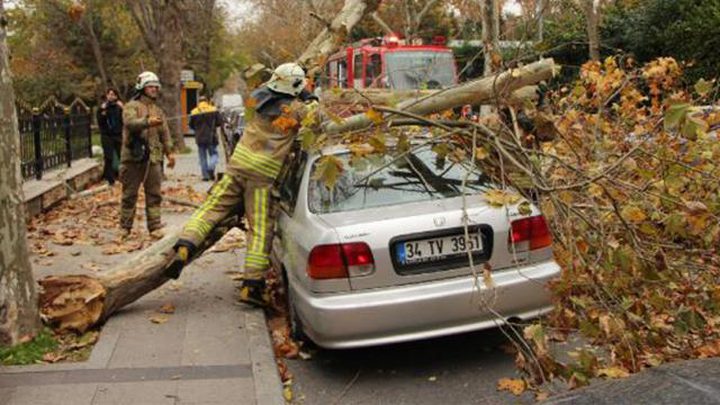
<point x="48" y="347"/>
<point x="29" y="352"/>
<point x="96" y="139"/>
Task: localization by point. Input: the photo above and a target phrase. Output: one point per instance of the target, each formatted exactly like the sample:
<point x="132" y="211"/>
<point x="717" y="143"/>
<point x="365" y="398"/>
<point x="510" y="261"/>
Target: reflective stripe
<point x="256" y="257"/>
<point x="247" y="162"/>
<point x="197" y="223"/>
<point x="256" y="162"/>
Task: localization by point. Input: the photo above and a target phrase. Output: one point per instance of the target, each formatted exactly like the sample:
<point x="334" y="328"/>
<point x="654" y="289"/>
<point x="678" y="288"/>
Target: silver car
<point x="383" y="257"/>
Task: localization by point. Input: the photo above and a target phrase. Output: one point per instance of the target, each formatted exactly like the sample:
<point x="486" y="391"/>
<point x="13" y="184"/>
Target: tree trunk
<point x="482" y="91"/>
<point x="87" y="24"/>
<point x="332" y="37"/>
<point x="169" y="55"/>
<point x="387" y="97"/>
<point x="18" y="300"/>
<point x="162" y="28"/>
<point x="490" y="39"/>
<point x="592" y="17"/>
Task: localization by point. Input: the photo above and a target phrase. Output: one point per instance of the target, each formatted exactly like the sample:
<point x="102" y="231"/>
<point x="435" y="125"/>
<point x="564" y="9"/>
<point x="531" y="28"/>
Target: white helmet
<point x="288" y="78"/>
<point x="146" y="79"/>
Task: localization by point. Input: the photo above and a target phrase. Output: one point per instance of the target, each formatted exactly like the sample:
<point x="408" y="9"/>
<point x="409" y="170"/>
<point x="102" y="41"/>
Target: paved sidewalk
<point x="210" y="350"/>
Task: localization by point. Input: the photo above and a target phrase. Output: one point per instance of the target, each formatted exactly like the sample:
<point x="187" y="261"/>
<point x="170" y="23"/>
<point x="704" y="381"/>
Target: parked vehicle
<point x="389" y="63"/>
<point x="383" y="257"/>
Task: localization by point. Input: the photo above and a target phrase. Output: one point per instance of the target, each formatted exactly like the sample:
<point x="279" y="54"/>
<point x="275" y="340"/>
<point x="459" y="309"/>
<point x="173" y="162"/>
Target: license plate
<point x="437" y="249"/>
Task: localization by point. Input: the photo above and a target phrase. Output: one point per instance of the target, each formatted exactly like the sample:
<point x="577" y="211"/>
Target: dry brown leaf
<point x="613" y="372"/>
<point x="513" y="385"/>
<point x="159" y="319"/>
<point x="167" y="308"/>
<point x="53" y="357"/>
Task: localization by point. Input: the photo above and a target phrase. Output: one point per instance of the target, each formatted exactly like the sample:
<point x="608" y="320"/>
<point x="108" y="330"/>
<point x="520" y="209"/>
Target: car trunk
<point x="420" y="242"/>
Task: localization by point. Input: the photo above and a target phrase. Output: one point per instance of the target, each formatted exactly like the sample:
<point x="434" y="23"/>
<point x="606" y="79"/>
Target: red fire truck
<point x="390" y="63"/>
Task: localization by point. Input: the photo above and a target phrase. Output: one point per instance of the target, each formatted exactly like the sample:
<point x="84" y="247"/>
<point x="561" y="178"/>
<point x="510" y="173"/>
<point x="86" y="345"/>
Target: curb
<point x="268" y="386"/>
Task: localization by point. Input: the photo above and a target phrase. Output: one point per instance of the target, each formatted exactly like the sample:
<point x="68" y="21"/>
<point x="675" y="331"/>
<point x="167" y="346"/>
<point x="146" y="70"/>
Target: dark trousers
<point x="132" y="176"/>
<point x="111" y="145"/>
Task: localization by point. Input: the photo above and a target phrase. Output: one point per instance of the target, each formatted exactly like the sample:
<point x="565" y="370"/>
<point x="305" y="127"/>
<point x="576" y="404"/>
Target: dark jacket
<point x="203" y="120"/>
<point x="110" y="119"/>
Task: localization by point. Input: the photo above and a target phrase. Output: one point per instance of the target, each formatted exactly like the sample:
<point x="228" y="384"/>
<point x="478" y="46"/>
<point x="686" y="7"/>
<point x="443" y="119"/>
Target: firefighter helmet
<point x="146" y="79"/>
<point x="288" y="78"/>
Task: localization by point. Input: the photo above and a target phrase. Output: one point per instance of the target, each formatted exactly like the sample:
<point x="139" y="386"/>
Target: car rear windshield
<point x="386" y="180"/>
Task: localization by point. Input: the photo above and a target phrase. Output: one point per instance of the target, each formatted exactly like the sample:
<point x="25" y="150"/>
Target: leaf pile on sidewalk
<point x="93" y="220"/>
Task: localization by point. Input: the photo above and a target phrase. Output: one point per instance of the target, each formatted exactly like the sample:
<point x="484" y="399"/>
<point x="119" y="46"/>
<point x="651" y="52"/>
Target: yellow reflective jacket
<point x="267" y="141"/>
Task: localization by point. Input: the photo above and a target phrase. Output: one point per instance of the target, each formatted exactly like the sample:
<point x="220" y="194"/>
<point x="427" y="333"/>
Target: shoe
<point x="254" y="293"/>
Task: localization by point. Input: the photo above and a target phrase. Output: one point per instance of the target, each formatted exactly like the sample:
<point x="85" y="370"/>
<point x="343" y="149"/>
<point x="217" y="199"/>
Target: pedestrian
<point x="256" y="162"/>
<point x="146" y="140"/>
<point x="204" y="120"/>
<point x="110" y="123"/>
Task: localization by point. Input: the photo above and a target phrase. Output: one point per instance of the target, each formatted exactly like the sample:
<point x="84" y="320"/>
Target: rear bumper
<point x="420" y="311"/>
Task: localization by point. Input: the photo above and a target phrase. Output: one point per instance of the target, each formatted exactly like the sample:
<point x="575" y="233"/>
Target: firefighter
<point x="146" y="140"/>
<point x="278" y="108"/>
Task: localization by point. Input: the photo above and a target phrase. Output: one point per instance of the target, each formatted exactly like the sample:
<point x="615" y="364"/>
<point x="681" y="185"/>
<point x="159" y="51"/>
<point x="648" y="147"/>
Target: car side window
<point x="291" y="180"/>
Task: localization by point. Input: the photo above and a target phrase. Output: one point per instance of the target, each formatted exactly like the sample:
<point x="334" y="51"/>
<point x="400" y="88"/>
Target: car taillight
<point x="340" y="261"/>
<point x="530" y="234"/>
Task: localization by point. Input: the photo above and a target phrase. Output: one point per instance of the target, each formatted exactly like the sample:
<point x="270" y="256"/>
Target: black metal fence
<point x="53" y="135"/>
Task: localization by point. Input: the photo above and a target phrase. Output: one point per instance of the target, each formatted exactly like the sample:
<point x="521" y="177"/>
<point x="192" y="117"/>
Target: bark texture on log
<point x="79" y="302"/>
<point x="389" y="97"/>
<point x="330" y="39"/>
<point x="18" y="300"/>
<point x="481" y="91"/>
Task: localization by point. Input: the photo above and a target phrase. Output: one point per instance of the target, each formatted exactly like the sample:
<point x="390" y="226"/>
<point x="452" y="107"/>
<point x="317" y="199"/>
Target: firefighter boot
<point x="182" y="254"/>
<point x="254" y="292"/>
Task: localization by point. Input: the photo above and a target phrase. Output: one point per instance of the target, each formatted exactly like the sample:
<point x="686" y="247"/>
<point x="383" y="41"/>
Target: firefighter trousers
<point x="225" y="196"/>
<point x="132" y="176"/>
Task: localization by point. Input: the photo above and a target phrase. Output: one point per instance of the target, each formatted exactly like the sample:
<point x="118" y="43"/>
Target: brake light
<point x="340" y="261"/>
<point x="530" y="234"/>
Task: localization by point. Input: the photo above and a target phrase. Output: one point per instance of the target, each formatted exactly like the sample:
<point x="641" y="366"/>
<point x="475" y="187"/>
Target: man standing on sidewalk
<point x="146" y="139"/>
<point x="277" y="111"/>
<point x="204" y="120"/>
<point x="110" y="122"/>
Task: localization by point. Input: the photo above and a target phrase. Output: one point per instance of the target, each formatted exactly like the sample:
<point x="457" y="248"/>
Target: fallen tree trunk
<point x="479" y="91"/>
<point x="79" y="302"/>
<point x="389" y="97"/>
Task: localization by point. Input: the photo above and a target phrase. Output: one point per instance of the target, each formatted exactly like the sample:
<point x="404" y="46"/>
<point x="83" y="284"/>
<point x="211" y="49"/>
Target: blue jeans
<point x="208" y="160"/>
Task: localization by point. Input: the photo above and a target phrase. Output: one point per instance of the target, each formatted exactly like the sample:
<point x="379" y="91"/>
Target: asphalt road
<point x="461" y="369"/>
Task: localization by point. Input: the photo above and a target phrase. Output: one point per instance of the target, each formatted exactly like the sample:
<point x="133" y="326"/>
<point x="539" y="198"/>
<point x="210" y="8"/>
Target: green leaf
<point x="703" y="87"/>
<point x="308" y="139"/>
<point x="328" y="170"/>
<point x="403" y="144"/>
<point x="675" y="115"/>
<point x="693" y="126"/>
<point x="524" y="208"/>
<point x="441" y="150"/>
<point x="377" y="141"/>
